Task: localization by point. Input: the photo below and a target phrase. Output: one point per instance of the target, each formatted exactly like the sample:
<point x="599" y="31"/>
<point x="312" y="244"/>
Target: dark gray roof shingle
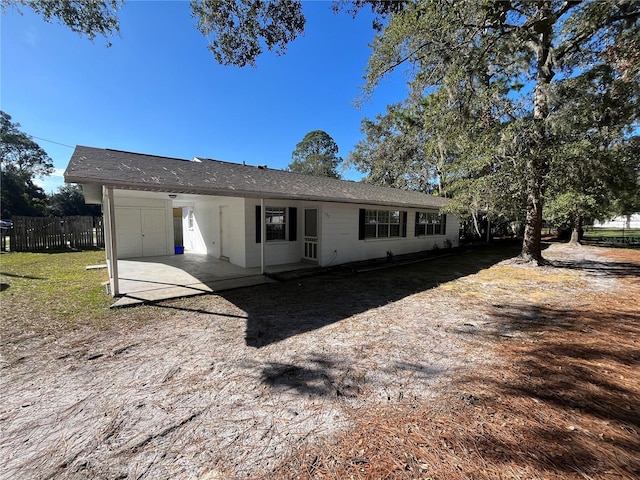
<point x="135" y="171"/>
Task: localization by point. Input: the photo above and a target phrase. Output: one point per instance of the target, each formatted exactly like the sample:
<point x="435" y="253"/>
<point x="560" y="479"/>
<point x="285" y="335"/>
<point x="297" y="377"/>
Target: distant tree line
<point x="21" y="161"/>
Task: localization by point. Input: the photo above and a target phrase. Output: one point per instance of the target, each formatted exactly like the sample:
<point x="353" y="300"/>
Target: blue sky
<point x="158" y="90"/>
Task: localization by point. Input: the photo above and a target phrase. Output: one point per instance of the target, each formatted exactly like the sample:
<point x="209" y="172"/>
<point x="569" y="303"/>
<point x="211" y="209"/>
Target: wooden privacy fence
<point x="35" y="234"/>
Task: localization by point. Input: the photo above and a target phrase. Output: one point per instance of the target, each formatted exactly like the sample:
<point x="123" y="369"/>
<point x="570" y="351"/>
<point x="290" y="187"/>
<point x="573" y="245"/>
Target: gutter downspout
<point x="112" y="261"/>
<point x="263" y="229"/>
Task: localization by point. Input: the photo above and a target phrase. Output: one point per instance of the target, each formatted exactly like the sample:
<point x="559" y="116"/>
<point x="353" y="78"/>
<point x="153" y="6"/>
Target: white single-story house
<point x="251" y="216"/>
<point x="627" y="221"/>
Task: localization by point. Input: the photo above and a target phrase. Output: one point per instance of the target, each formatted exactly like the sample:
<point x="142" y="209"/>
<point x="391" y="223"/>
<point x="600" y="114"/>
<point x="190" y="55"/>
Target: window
<point x="190" y="220"/>
<point x="381" y="224"/>
<point x="430" y="224"/>
<point x="276" y="222"/>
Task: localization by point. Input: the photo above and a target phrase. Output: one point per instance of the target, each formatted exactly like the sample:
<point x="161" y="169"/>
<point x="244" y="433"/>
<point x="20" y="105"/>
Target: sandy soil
<point x="231" y="385"/>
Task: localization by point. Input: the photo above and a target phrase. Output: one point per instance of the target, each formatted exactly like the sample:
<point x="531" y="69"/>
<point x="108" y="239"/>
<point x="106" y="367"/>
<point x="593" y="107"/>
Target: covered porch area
<point x="152" y="279"/>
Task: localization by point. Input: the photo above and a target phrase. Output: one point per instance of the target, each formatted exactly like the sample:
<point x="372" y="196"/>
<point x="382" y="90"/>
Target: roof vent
<point x="262" y="167"/>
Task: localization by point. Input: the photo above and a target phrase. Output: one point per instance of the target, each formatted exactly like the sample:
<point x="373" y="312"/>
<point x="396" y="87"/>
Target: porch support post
<point x="263" y="229"/>
<point x="113" y="251"/>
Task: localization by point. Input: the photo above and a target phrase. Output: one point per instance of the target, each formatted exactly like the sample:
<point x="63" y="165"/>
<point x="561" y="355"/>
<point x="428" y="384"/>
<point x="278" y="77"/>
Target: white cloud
<point x="51" y="183"/>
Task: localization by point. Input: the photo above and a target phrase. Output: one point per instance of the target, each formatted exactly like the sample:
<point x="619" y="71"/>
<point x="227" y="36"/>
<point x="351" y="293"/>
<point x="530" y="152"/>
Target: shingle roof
<point x="135" y="171"/>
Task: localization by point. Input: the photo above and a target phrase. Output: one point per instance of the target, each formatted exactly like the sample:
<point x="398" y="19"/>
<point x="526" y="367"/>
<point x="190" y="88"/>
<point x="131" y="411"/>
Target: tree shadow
<point x="14" y="275"/>
<point x="279" y="311"/>
<point x="320" y="376"/>
<point x="594" y="267"/>
<point x="574" y="403"/>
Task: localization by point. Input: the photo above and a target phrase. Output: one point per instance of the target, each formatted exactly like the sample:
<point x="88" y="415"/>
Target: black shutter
<point x="293" y="224"/>
<point x="258" y="224"/>
<point x="404" y="223"/>
<point x="417" y="224"/>
<point x="361" y="224"/>
<point x="444" y="224"/>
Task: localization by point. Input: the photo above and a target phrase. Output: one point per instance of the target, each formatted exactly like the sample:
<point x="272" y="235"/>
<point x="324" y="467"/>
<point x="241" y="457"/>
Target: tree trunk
<point x="537" y="164"/>
<point x="475" y="223"/>
<point x="532" y="241"/>
<point x="575" y="232"/>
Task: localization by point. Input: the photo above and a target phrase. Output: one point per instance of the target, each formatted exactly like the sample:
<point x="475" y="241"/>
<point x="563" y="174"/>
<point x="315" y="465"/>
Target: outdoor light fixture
<point x="172" y="195"/>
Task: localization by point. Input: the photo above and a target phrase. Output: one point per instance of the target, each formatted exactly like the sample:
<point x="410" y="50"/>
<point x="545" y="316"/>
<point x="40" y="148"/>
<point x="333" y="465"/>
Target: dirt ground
<point x="441" y="369"/>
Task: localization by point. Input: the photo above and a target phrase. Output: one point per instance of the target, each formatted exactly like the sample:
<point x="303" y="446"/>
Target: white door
<point x="154" y="232"/>
<point x="225" y="233"/>
<point x="141" y="232"/>
<point x="311" y="233"/>
<point x="128" y="232"/>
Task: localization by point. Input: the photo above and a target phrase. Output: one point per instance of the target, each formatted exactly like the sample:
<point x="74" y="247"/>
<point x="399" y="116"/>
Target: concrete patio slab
<point x="152" y="279"/>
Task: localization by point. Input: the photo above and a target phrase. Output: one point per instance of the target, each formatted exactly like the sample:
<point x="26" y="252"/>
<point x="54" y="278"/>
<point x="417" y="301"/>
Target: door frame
<point x="223" y="216"/>
<point x="310" y="243"/>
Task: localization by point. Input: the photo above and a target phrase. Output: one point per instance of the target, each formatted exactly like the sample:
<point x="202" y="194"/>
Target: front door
<point x="311" y="234"/>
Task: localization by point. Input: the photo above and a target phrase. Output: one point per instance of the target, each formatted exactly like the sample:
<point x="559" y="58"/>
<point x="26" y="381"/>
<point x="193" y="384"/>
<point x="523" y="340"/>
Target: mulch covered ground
<point x="560" y="400"/>
<point x="445" y="369"/>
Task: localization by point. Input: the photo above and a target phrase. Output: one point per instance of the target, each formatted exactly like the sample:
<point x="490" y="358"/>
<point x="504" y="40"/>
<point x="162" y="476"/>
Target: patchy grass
<point x="597" y="233"/>
<point x="518" y="282"/>
<point x="49" y="293"/>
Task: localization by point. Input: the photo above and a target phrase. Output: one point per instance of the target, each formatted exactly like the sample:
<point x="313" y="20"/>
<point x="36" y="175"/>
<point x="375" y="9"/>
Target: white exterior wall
<point x="276" y="252"/>
<point x="339" y="227"/>
<point x="225" y="227"/>
<point x="231" y="230"/>
<point x="128" y="202"/>
<point x="205" y="234"/>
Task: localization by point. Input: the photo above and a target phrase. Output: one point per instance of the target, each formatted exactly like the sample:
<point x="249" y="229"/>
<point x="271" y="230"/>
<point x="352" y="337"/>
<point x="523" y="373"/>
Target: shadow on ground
<point x="572" y="401"/>
<point x="279" y="311"/>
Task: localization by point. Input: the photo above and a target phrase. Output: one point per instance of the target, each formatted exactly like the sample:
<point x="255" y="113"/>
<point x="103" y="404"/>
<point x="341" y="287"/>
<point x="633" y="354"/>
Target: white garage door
<point x="141" y="232"/>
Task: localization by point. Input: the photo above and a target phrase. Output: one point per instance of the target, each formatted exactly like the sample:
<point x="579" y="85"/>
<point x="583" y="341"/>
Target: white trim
<point x="263" y="234"/>
<point x="113" y="254"/>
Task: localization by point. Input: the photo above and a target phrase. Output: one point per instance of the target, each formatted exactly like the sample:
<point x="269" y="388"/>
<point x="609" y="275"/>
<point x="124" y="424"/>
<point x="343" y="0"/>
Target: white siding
<point x="225" y="226"/>
<point x="204" y="235"/>
<point x="131" y="205"/>
<point x="276" y="252"/>
<point x="231" y="213"/>
<point x="339" y="236"/>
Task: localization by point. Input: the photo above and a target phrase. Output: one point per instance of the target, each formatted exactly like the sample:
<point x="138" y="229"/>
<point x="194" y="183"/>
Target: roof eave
<point x="192" y="190"/>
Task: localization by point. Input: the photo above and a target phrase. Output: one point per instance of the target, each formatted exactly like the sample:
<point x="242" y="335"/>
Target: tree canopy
<point x="21" y="160"/>
<point x="316" y="154"/>
<point x="240" y="30"/>
<point x="69" y="201"/>
<point x="493" y="66"/>
<point x="91" y="18"/>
